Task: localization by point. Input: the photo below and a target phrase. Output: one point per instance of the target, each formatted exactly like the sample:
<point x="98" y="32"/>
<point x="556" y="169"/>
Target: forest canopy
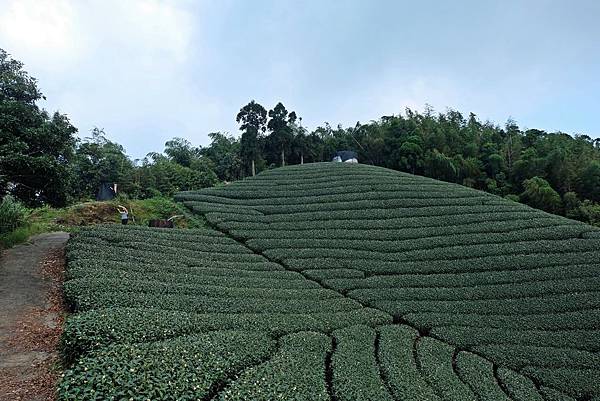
<point x="43" y="161"/>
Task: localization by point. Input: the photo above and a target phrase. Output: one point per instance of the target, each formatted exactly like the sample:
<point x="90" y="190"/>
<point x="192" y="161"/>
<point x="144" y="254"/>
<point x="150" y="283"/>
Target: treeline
<point x="43" y="162"/>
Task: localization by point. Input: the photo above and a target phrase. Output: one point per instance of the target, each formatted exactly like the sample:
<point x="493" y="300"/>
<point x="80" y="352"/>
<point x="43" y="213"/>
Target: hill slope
<point x="338" y="282"/>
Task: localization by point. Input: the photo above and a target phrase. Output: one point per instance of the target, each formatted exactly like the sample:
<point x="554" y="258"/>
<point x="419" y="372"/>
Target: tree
<point x="539" y="194"/>
<point x="35" y="149"/>
<point x="590" y="181"/>
<point x="181" y="151"/>
<point x="98" y="160"/>
<point x="252" y="118"/>
<point x="280" y="125"/>
<point x="224" y="151"/>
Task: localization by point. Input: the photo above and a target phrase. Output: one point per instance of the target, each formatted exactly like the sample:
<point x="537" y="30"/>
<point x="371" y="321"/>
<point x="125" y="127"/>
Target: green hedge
<point x="186" y="368"/>
<point x="453" y="253"/>
<point x="511" y="291"/>
<point x="264" y="231"/>
<point x="544" y="304"/>
<point x="467" y="337"/>
<point x="398" y="365"/>
<point x="519" y="388"/>
<point x="517" y="356"/>
<point x="94" y="299"/>
<point x="295" y="372"/>
<point x="435" y="364"/>
<point x="438" y="244"/>
<point x="578" y="319"/>
<point x="532" y="260"/>
<point x="196" y="276"/>
<point x="478" y="374"/>
<point x="356" y="374"/>
<point x="94" y="329"/>
<point x="418" y="224"/>
<point x="578" y="383"/>
<point x="466" y="279"/>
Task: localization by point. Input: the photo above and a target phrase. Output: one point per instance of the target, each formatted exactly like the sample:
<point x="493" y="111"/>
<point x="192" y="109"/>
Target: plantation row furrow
<point x="454" y="253"/>
<point x="365" y="214"/>
<point x="76" y="288"/>
<point x="164" y="248"/>
<point x="491" y="291"/>
<point x="579" y="383"/>
<point x="392" y="233"/>
<point x="342" y="280"/>
<point x="152" y="254"/>
<point x="435" y="364"/>
<point x="342" y="204"/>
<point x="131" y="231"/>
<point x="324" y="177"/>
<point x="95" y="299"/>
<point x="246" y="194"/>
<point x="197" y="277"/>
<point x="95" y="329"/>
<point x="517" y="356"/>
<point x="583" y="319"/>
<point x="543" y="304"/>
<point x="116" y="233"/>
<point x="467" y="337"/>
<point x="395" y="223"/>
<point x="399" y="366"/>
<point x="475" y="264"/>
<point x="87" y="260"/>
<point x="287" y="198"/>
<point x="555" y="232"/>
<point x="518" y="387"/>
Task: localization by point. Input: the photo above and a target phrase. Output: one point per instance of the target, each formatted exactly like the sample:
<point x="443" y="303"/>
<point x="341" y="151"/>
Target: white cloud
<point x="121" y="65"/>
<point x="40" y="30"/>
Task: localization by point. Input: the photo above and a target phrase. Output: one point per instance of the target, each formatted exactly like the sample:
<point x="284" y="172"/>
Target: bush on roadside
<point x="12" y="214"/>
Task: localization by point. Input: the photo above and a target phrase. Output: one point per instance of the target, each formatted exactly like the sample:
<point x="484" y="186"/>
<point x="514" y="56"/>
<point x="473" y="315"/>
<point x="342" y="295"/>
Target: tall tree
<point x="252" y="118"/>
<point x="35" y="149"/>
<point x="98" y="160"/>
<point x="181" y="151"/>
<point x="281" y="127"/>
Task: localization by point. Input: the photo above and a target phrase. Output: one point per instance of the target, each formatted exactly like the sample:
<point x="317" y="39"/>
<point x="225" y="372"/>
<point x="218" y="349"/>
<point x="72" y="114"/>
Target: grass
<point x="72" y="218"/>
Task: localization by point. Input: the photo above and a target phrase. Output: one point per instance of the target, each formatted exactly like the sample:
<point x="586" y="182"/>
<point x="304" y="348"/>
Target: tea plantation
<point x="334" y="281"/>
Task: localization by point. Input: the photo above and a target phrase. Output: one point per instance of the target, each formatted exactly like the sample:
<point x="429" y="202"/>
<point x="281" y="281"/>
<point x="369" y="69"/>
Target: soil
<point x="31" y="317"/>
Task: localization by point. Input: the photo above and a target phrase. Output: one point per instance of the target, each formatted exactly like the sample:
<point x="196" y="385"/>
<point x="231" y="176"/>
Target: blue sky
<point x="147" y="71"/>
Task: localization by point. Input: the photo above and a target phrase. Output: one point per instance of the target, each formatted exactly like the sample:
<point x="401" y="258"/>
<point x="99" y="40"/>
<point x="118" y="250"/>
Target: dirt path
<point x="31" y="314"/>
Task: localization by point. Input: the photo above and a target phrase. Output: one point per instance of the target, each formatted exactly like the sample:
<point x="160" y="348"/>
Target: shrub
<point x="12" y="214"/>
<point x="296" y="371"/>
<point x="355" y="371"/>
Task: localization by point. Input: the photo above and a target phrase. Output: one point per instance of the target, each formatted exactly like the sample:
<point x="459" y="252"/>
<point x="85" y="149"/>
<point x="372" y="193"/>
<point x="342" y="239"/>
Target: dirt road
<point x="31" y="316"/>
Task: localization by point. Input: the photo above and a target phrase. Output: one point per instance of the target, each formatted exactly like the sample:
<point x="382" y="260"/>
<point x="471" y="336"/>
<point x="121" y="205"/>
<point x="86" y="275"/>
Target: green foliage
<point x="253" y="120"/>
<point x="514" y="285"/>
<point x="186" y="368"/>
<point x="478" y="374"/>
<point x="590" y="182"/>
<point x="398" y="365"/>
<point x="12" y="214"/>
<point x="355" y="371"/>
<point x="435" y="364"/>
<point x="296" y="371"/>
<point x="518" y="387"/>
<point x="35" y="148"/>
<point x="539" y="194"/>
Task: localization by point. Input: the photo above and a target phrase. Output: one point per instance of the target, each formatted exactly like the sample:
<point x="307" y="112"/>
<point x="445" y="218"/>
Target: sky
<point x="146" y="71"/>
